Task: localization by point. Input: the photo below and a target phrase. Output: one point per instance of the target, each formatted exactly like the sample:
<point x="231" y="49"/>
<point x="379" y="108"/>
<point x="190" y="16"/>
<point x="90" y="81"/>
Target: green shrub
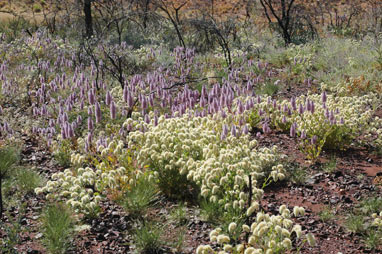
<point x="27" y="180"/>
<point x="140" y="197"/>
<point x="147" y="238"/>
<point x="58" y="227"/>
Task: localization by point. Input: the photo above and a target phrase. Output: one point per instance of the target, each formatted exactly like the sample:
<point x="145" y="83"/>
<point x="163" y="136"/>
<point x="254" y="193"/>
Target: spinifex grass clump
<point x="147" y="238"/>
<point x="140" y="197"/>
<point x="58" y="228"/>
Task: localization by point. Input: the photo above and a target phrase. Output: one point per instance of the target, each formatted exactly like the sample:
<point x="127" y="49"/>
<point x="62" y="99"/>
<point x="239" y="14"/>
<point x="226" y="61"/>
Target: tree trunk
<point x="88" y="18"/>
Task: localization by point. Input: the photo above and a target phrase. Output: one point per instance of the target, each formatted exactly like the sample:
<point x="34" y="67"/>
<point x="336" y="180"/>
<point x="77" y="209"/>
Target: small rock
<point x="38" y="236"/>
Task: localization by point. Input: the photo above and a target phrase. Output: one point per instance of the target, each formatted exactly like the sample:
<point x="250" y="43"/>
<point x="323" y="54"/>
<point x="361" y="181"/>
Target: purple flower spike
<point x="233" y="131"/>
<point x="89" y="138"/>
<point x="324" y="97"/>
<point x="113" y="110"/>
<point x="293" y="130"/>
<point x="301" y="109"/>
<point x="108" y="98"/>
<point x="342" y="121"/>
<point x="98" y="113"/>
<point x="308" y="106"/>
<point x="313" y="140"/>
<point x="90" y="111"/>
<point x="63" y="133"/>
<point x="265" y="127"/>
<point x="130" y="100"/>
<point x="147" y="118"/>
<point x="125" y="93"/>
<point x="91" y="96"/>
<point x="293" y="103"/>
<point x="245" y="129"/>
<point x="240" y="107"/>
<point x="303" y="135"/>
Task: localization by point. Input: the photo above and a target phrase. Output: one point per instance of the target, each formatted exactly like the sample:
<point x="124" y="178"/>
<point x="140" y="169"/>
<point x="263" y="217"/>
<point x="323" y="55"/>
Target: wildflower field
<point x="159" y="130"/>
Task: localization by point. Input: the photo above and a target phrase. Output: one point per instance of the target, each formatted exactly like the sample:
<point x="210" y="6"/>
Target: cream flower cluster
<point x="221" y="167"/>
<point x="75" y="188"/>
<point x="82" y="188"/>
<point x="377" y="220"/>
<point x="267" y="234"/>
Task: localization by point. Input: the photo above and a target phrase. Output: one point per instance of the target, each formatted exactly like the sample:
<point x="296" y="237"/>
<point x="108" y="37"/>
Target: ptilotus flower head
<point x="313" y="140"/>
<point x="90" y="124"/>
<point x="233" y="130"/>
<point x="312" y="107"/>
<point x="285" y="108"/>
<point x="108" y="98"/>
<point x="308" y="106"/>
<point x="113" y="110"/>
<point x="311" y="239"/>
<point x="327" y="113"/>
<point x="130" y="100"/>
<point x="266" y="128"/>
<point x="89" y="138"/>
<point x="342" y="121"/>
<point x="292" y="131"/>
<point x="71" y="130"/>
<point x="293" y="103"/>
<point x="324" y="97"/>
<point x="91" y="96"/>
<point x="125" y="93"/>
<point x="301" y="109"/>
<point x="147" y="118"/>
<point x="303" y="134"/>
<point x="240" y="107"/>
<point x="98" y="113"/>
<point x="274" y="104"/>
<point x="258" y="99"/>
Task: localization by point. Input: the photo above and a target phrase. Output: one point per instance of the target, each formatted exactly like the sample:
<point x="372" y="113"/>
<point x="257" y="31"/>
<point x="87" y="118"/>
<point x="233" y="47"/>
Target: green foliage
<point x="355" y="223"/>
<point x="14" y="27"/>
<point x="371" y="205"/>
<point x="330" y="166"/>
<point x="296" y="173"/>
<point x="27" y="180"/>
<point x="216" y="215"/>
<point x="268" y="88"/>
<point x="12" y="234"/>
<point x="147" y="238"/>
<point x="179" y="214"/>
<point x="176" y="186"/>
<point x="137" y="200"/>
<point x="63" y="154"/>
<point x="211" y="211"/>
<point x="373" y="239"/>
<point x="9" y="156"/>
<point x="326" y="214"/>
<point x="57" y="228"/>
<point x="37" y="8"/>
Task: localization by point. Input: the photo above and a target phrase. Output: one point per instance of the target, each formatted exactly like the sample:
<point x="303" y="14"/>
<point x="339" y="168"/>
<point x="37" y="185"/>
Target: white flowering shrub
<point x="193" y="147"/>
<point x="83" y="187"/>
<point x="267" y="234"/>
